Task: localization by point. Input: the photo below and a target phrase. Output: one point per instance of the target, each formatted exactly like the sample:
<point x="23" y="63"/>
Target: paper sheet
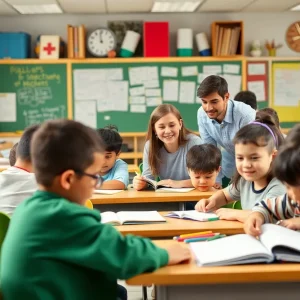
<point x="187" y="91"/>
<point x="137" y="91"/>
<point x="154" y="101"/>
<point x="153" y="92"/>
<point x="256" y="69"/>
<point x="151" y="83"/>
<point x="231" y="69"/>
<point x="170" y="90"/>
<point x="169" y="71"/>
<point x="189" y="71"/>
<point x="212" y="69"/>
<point x="86" y="112"/>
<point x="139" y="75"/>
<point x="136" y="108"/>
<point x="234" y="84"/>
<point x="258" y="88"/>
<point x="8" y="107"/>
<point x="137" y="100"/>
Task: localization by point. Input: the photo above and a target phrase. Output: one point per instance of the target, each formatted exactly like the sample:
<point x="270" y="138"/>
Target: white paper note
<point x="8" y="107"/>
<point x="154" y="101"/>
<point x="256" y="69"/>
<point x="189" y="71"/>
<point x="258" y="88"/>
<point x="114" y="74"/>
<point x="137" y="75"/>
<point x="231" y="69"/>
<point x="86" y="112"/>
<point x="153" y="92"/>
<point x="137" y="100"/>
<point x="169" y="72"/>
<point x="187" y="91"/>
<point x="138" y="108"/>
<point x="137" y="91"/>
<point x="234" y="84"/>
<point x="170" y="90"/>
<point x="151" y="83"/>
<point x="212" y="69"/>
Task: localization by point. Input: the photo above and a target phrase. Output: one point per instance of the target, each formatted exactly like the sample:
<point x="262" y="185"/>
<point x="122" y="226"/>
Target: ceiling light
<point x="38" y="9"/>
<point x="175" y="6"/>
<point x="297" y="7"/>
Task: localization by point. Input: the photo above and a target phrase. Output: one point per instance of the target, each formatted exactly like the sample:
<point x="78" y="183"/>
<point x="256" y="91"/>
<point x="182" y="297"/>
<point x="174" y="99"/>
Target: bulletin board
<point x="286" y="91"/>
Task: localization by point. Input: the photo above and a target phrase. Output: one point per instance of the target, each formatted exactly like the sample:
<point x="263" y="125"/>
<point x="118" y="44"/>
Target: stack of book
<point x="76" y="41"/>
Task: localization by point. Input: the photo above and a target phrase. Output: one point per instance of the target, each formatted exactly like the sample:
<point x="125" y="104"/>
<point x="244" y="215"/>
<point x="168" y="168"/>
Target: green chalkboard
<point x="31" y="93"/>
<point x="88" y="85"/>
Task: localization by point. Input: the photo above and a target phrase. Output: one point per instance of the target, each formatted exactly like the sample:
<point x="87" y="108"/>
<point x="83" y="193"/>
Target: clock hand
<point x="295" y="38"/>
<point x="298" y="27"/>
<point x="100" y="35"/>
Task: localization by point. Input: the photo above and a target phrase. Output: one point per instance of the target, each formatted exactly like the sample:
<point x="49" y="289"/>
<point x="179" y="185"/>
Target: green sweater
<point x="58" y="250"/>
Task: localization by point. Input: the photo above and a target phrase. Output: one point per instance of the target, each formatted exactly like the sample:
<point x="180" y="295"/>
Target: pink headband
<point x="270" y="130"/>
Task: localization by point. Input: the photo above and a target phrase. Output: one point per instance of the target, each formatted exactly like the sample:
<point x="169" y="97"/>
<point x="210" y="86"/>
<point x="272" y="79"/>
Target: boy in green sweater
<point x="56" y="248"/>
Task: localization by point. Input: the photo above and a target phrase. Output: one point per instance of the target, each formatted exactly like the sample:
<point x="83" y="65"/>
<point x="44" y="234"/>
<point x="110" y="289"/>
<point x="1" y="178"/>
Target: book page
<point x="173" y="190"/>
<point x="274" y="235"/>
<point x="107" y="192"/>
<point x="139" y="216"/>
<point x="235" y="249"/>
<point x="152" y="182"/>
<point x="199" y="216"/>
<point x="109" y="217"/>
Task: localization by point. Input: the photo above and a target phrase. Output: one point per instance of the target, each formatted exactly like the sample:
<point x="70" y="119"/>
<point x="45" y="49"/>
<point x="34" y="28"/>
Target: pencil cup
<point x="202" y="44"/>
<point x="185" y="42"/>
<point x="272" y="52"/>
<point x="130" y="43"/>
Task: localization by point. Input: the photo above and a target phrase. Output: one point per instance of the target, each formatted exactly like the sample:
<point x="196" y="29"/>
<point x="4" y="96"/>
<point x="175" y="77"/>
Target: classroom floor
<point x="135" y="292"/>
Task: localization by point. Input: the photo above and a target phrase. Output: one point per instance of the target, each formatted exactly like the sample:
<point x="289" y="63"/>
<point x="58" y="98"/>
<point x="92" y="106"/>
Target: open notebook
<point x="163" y="189"/>
<point x="275" y="243"/>
<point x="131" y="217"/>
<point x="107" y="192"/>
<point x="193" y="215"/>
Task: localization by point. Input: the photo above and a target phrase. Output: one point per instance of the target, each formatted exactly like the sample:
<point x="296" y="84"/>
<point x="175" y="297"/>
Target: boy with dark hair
<point x="247" y="97"/>
<point x="114" y="171"/>
<point x="56" y="245"/>
<point x="12" y="155"/>
<point x="204" y="164"/>
<point x="18" y="183"/>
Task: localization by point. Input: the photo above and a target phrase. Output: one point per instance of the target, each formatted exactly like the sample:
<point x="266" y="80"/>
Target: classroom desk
<point x="132" y="196"/>
<point x="245" y="282"/>
<point x="174" y="227"/>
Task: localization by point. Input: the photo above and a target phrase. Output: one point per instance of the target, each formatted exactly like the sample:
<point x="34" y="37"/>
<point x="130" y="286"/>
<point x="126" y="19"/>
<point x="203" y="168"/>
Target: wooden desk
<point x="174" y="227"/>
<point x="245" y="282"/>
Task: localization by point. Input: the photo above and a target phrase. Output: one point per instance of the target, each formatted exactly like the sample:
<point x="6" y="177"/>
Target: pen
<point x="193" y="234"/>
<point x="179" y="239"/>
<point x="213" y="219"/>
<point x="196" y="240"/>
<point x="216" y="237"/>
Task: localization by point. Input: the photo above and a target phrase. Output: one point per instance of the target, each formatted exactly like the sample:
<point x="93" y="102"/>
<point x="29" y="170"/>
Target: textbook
<point x="275" y="243"/>
<point x="131" y="217"/>
<point x="163" y="189"/>
<point x="193" y="215"/>
<point x="107" y="192"/>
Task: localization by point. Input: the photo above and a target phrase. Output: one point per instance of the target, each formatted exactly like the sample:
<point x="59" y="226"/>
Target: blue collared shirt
<point x="238" y="114"/>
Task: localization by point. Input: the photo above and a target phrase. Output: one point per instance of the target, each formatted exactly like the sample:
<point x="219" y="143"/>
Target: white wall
<point x="260" y="26"/>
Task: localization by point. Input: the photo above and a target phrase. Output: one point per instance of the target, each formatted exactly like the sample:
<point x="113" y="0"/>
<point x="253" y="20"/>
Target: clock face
<point x="101" y="41"/>
<point x="293" y="36"/>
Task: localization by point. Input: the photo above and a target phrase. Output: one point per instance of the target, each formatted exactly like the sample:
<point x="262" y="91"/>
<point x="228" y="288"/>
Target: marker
<point x="196" y="240"/>
<point x="195" y="233"/>
<point x="216" y="237"/>
<point x="179" y="239"/>
<point x="213" y="219"/>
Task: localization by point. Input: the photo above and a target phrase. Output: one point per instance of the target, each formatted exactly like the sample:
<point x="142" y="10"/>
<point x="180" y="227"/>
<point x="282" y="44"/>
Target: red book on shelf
<point x="156" y="39"/>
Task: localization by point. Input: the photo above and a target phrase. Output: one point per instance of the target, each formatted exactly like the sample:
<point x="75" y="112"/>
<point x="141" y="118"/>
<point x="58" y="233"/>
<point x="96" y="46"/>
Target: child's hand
<point x="139" y="183"/>
<point x="253" y="224"/>
<point x="206" y="205"/>
<point x="293" y="224"/>
<point x="177" y="254"/>
<point x="170" y="183"/>
<point x="227" y="214"/>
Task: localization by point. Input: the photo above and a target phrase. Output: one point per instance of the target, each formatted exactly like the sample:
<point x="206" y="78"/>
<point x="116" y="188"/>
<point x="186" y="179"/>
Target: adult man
<point x="219" y="118"/>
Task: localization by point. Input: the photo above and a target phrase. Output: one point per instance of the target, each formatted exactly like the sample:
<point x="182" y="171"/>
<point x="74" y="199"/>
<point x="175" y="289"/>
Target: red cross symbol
<point x="49" y="48"/>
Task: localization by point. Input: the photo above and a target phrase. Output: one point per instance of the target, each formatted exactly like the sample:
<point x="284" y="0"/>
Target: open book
<point x="107" y="192"/>
<point x="275" y="243"/>
<point x="131" y="217"/>
<point x="163" y="189"/>
<point x="193" y="215"/>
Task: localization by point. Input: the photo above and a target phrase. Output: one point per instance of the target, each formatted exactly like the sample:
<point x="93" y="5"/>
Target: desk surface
<point x="133" y="196"/>
<point x="175" y="227"/>
<point x="190" y="273"/>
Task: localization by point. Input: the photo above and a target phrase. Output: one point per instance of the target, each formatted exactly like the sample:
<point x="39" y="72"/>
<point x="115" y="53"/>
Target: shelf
<point x="131" y="155"/>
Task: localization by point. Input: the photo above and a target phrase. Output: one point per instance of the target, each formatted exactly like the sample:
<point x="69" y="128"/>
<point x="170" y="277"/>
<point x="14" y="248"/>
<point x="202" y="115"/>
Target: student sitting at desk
<point x="285" y="209"/>
<point x="256" y="145"/>
<point x="114" y="171"/>
<point x="168" y="142"/>
<point x="18" y="182"/>
<point x="56" y="248"/>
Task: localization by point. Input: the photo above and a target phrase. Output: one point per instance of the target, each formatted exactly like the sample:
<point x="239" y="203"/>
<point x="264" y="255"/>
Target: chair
<point x="89" y="204"/>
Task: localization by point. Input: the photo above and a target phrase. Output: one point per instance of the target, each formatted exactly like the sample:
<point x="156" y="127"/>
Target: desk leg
<point x="181" y="206"/>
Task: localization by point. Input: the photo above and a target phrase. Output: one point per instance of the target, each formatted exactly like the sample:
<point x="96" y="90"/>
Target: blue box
<point x="15" y="45"/>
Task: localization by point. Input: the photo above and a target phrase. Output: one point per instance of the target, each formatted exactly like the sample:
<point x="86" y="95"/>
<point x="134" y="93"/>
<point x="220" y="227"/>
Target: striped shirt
<point x="277" y="208"/>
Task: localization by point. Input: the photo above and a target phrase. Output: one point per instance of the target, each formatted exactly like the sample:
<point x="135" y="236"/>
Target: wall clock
<point x="101" y="41"/>
<point x="292" y="36"/>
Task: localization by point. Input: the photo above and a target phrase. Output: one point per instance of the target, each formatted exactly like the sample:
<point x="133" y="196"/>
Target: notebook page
<point x="199" y="216"/>
<point x="275" y="235"/>
<point x="230" y="250"/>
<point x="107" y="192"/>
<point x="173" y="190"/>
<point x="109" y="217"/>
<point x="140" y="216"/>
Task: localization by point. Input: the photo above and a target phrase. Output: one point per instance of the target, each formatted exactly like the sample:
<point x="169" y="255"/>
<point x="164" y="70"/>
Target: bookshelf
<point x="227" y="38"/>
